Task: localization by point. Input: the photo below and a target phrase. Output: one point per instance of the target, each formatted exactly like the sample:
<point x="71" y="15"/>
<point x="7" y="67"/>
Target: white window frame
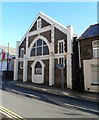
<point x="21" y="67"/>
<point x="39" y="23"/>
<point x="61" y="41"/>
<point x="92" y="74"/>
<point x="22" y="49"/>
<point x="61" y="60"/>
<point x="38" y="47"/>
<point x="95" y="47"/>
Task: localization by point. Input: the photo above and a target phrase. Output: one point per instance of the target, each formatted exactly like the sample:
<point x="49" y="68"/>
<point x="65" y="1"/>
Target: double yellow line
<point x="10" y="114"/>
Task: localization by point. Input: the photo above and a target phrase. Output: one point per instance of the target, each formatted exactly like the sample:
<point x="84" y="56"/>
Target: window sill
<point x="95" y="84"/>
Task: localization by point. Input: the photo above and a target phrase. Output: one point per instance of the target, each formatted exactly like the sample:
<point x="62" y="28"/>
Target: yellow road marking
<point x="10" y="113"/>
<point x="5" y="114"/>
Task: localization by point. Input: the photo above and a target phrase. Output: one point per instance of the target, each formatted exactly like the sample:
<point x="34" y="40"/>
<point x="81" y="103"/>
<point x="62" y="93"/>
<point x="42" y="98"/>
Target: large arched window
<point x="39" y="48"/>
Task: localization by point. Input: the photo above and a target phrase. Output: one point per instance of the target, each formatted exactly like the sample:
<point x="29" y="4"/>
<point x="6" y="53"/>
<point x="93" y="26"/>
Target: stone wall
<point x="46" y="71"/>
<point x="57" y="74"/>
<point x="29" y="71"/>
<point x="20" y="73"/>
<point x="86" y="51"/>
<point x="44" y="24"/>
<point x="23" y="45"/>
<point x="59" y="36"/>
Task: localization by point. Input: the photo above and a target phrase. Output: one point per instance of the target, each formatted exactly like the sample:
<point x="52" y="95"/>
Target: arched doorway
<point x="38" y="72"/>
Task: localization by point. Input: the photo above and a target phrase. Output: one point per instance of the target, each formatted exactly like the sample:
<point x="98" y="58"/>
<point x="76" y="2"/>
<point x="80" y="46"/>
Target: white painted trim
<point x="27" y="46"/>
<point x="39" y="20"/>
<point x="44" y="57"/>
<point x="25" y="64"/>
<point x="39" y="31"/>
<point x="69" y="53"/>
<point x="51" y="69"/>
<point x="61" y="41"/>
<point x="35" y="40"/>
<point x="20" y="52"/>
<point x="20" y="64"/>
<point x="33" y="71"/>
<point x="49" y="20"/>
<point x="16" y="69"/>
<point x="16" y="61"/>
<point x="17" y="49"/>
<point x="93" y="48"/>
<point x="53" y="22"/>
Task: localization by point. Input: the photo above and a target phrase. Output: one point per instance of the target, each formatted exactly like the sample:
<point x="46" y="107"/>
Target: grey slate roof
<point x="92" y="31"/>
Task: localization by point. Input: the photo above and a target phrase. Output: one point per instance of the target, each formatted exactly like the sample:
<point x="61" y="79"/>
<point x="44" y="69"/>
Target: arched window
<point x="39" y="48"/>
<point x="38" y="68"/>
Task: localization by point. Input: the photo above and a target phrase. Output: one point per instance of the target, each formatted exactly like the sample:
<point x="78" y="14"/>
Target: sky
<point x="18" y="16"/>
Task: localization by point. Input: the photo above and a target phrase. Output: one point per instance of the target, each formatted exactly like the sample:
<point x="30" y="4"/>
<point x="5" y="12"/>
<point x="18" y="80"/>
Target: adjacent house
<point x="6" y="60"/>
<point x="89" y="57"/>
<point x="46" y="49"/>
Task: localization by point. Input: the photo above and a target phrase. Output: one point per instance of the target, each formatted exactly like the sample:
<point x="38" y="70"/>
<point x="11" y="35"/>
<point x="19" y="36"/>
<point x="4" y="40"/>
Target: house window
<point x="39" y="24"/>
<point x="21" y="64"/>
<point x="61" y="46"/>
<point x="95" y="74"/>
<point x="22" y="53"/>
<point x="61" y="61"/>
<point x="38" y="68"/>
<point x="39" y="48"/>
<point x="21" y="56"/>
<point x="95" y="45"/>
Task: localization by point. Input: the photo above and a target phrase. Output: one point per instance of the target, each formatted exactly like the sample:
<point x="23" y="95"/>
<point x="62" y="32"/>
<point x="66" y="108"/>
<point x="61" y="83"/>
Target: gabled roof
<point x="12" y="51"/>
<point x="49" y="20"/>
<point x="92" y="31"/>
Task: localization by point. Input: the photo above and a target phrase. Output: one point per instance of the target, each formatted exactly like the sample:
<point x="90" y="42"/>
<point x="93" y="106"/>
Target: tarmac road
<point x="35" y="104"/>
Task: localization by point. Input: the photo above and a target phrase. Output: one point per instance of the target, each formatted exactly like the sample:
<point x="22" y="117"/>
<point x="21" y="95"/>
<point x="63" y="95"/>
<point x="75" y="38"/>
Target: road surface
<point x="34" y="104"/>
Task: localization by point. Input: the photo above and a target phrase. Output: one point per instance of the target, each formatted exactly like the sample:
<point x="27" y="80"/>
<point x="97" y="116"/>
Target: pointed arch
<point x="37" y="78"/>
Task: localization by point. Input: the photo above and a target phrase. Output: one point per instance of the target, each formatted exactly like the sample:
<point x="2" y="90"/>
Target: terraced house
<point x="89" y="57"/>
<point x="45" y="44"/>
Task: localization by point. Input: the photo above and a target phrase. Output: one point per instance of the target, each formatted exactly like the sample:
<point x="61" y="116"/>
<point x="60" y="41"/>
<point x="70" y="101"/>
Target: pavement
<point x="90" y="96"/>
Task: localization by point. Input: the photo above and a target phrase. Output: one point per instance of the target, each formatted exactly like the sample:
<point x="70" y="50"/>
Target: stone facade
<point x="88" y="58"/>
<point x="20" y="73"/>
<point x="23" y="45"/>
<point x="58" y="76"/>
<point x="59" y="36"/>
<point x="44" y="24"/>
<point x="86" y="52"/>
<point x="47" y="71"/>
